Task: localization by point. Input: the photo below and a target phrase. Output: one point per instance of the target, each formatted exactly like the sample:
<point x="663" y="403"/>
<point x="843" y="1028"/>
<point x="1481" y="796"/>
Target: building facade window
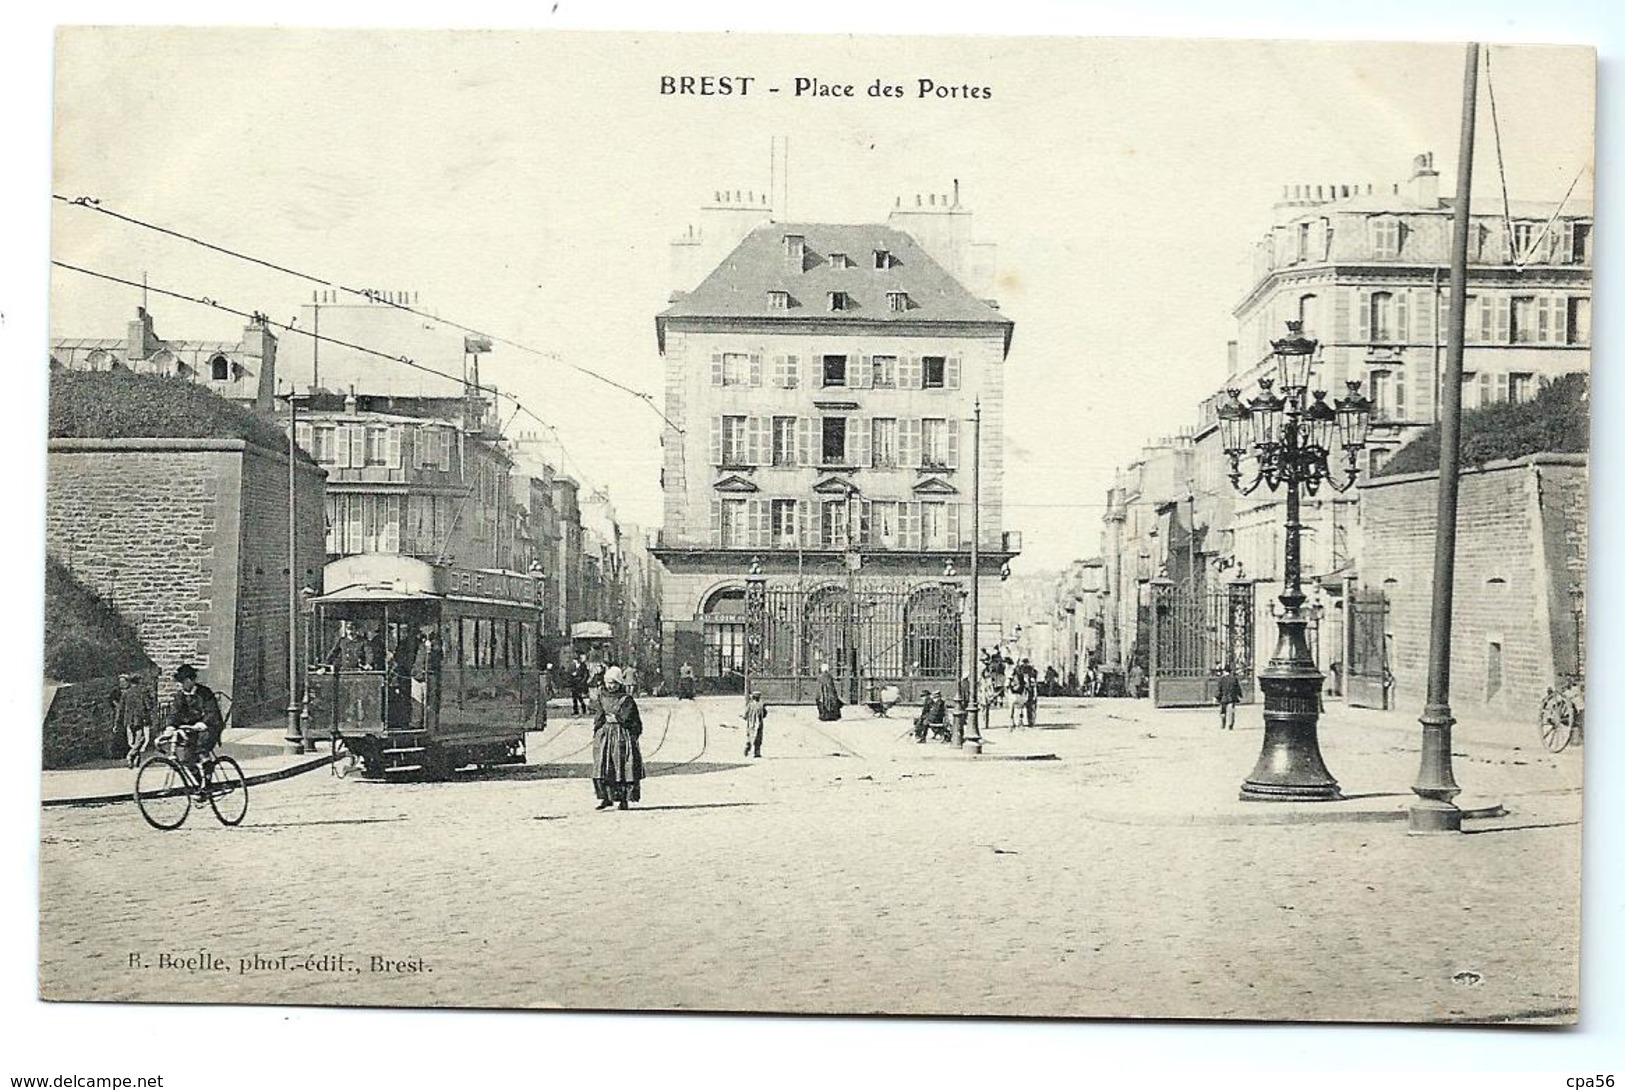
<point x="1523" y="319"/>
<point x="839" y="300"/>
<point x="782" y="523"/>
<point x="934" y="442"/>
<point x="882" y="259"/>
<point x="1521" y="386"/>
<point x="778" y="300"/>
<point x="1523" y="241"/>
<point x="833" y="441"/>
<point x="1578" y="320"/>
<point x="1388" y="394"/>
<point x="784" y="441"/>
<point x="933" y="372"/>
<point x="1385" y="237"/>
<point x="832" y="524"/>
<point x="883" y="370"/>
<point x="933" y="525"/>
<point x="734" y="529"/>
<point x="839" y="261"/>
<point x="219" y="369"/>
<point x="883" y="524"/>
<point x="834" y="370"/>
<point x="1383" y="328"/>
<point x="734" y="441"/>
<point x="883" y="446"/>
<point x="795" y="249"/>
<point x="897" y="301"/>
<point x="735" y="368"/>
<point x="1309" y="315"/>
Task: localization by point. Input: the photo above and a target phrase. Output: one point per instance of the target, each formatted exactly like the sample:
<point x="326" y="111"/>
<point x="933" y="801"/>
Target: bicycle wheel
<point x="228" y="791"/>
<point x="1556" y="722"/>
<point x="344" y="758"/>
<point x="163" y="793"/>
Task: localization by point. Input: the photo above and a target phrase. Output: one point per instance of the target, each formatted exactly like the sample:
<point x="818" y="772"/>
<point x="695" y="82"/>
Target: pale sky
<point x="529" y="183"/>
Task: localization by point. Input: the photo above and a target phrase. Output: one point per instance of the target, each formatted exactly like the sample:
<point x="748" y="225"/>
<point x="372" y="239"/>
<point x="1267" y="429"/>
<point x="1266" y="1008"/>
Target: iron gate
<point x="902" y="634"/>
<point x="1367" y="666"/>
<point x="1194" y="636"/>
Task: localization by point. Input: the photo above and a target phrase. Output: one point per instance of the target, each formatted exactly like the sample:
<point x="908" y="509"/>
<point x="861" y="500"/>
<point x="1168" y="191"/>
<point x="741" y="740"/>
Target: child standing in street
<point x="755" y="717"/>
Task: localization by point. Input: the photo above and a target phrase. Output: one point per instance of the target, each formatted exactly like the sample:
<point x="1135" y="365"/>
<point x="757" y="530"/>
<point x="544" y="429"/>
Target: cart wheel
<point x="1556" y="722"/>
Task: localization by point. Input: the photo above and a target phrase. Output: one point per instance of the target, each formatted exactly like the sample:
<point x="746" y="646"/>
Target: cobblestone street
<point x="849" y="870"/>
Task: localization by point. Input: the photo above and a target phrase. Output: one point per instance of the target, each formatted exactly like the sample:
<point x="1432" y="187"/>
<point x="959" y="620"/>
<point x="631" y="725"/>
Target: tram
<point x="420" y="669"/>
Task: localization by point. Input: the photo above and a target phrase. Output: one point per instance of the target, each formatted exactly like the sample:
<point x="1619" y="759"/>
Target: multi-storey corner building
<point x="1368" y="273"/>
<point x="820" y="384"/>
<point x="419" y="476"/>
<point x="243" y="371"/>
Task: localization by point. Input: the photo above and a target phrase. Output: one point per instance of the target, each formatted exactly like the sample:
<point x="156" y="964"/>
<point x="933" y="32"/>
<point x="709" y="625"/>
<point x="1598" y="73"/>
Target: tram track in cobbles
<point x="648" y="757"/>
<point x="827" y="736"/>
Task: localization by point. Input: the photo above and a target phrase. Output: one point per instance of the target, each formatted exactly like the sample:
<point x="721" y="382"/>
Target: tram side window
<point x="499" y="653"/>
<point x="527" y="645"/>
<point x="470" y="642"/>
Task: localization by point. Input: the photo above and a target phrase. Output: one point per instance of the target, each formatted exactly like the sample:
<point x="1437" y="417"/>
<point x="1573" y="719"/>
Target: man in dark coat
<point x="577" y="678"/>
<point x="616" y="755"/>
<point x="1229" y="697"/>
<point x="194" y="712"/>
<point x="829" y="701"/>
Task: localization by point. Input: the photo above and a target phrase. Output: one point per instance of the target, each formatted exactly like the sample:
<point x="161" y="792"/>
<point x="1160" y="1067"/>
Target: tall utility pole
<point x="976" y="578"/>
<point x="1435" y="810"/>
<point x="293" y="739"/>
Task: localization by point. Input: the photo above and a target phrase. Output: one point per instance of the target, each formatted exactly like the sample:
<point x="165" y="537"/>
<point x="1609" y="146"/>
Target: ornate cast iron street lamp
<point x="1288" y="435"/>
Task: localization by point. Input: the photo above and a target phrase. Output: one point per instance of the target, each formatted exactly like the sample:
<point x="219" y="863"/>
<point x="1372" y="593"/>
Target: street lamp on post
<point x="1289" y="436"/>
<point x="854" y="561"/>
<point x="293" y="738"/>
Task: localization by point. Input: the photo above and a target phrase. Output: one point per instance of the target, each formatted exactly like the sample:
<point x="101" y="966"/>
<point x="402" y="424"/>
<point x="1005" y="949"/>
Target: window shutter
<point x="755" y="446"/>
<point x="953" y="442"/>
<point x="778" y="372"/>
<point x="815" y="365"/>
<point x="1402" y="308"/>
<point x="792" y="367"/>
<point x="756" y="532"/>
<point x="716" y="440"/>
<point x="806" y="528"/>
<point x="716" y="368"/>
<point x="1422" y="321"/>
<point x="358" y="445"/>
<point x="1564" y="243"/>
<point x="302" y="436"/>
<point x="858" y="434"/>
<point x="950" y="370"/>
<point x="955" y="521"/>
<point x="716" y="522"/>
<point x="755" y="368"/>
<point x="1503" y="320"/>
<point x="1399" y="394"/>
<point x="911" y="525"/>
<point x="1363" y="305"/>
<point x="352" y="524"/>
<point x="865" y="376"/>
<point x="865" y="535"/>
<point x="390" y="518"/>
<point x="917" y="374"/>
<point x="804" y="440"/>
<point x="393" y="456"/>
<point x="1501" y="386"/>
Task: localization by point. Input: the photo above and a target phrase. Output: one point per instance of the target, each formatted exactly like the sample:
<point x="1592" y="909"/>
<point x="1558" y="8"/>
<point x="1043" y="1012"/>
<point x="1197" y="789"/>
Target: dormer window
<point x="882" y="259"/>
<point x="897" y="300"/>
<point x="778" y="300"/>
<point x="220" y="369"/>
<point x="839" y="261"/>
<point x="1385" y="236"/>
<point x="839" y="300"/>
<point x="795" y="248"/>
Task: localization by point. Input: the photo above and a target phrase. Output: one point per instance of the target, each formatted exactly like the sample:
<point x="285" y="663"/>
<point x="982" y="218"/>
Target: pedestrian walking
<point x="755" y="718"/>
<point x="829" y="701"/>
<point x="1229" y="697"/>
<point x="135" y="711"/>
<point x="577" y="679"/>
<point x="631" y="678"/>
<point x="616" y="753"/>
<point x="685" y="682"/>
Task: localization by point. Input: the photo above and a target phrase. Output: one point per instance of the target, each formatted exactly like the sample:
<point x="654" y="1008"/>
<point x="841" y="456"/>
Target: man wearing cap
<point x="194" y="713"/>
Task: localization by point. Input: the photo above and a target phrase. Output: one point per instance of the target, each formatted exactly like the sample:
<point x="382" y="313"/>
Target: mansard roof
<point x="739" y="287"/>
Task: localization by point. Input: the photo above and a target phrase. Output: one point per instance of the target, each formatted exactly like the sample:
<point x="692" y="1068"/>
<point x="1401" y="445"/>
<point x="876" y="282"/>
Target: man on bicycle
<point x="195" y="719"/>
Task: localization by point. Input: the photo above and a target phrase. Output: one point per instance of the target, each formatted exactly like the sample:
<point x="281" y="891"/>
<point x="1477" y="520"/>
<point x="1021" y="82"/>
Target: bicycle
<point x="167" y="787"/>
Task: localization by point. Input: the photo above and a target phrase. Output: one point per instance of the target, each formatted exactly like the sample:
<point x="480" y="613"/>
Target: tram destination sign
<point x="482" y="583"/>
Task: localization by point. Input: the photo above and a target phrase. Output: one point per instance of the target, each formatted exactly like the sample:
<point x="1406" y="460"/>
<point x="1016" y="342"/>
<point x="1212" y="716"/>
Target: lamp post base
<point x="1290" y="768"/>
<point x="293" y="739"/>
<point x="1434" y="816"/>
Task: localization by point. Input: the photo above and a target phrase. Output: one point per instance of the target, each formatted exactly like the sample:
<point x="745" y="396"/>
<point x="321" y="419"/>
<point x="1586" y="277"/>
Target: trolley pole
<point x="293" y="739"/>
<point x="1434" y="810"/>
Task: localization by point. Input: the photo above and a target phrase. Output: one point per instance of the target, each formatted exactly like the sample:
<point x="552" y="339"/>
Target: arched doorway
<point x="723" y="622"/>
<point x="826" y="633"/>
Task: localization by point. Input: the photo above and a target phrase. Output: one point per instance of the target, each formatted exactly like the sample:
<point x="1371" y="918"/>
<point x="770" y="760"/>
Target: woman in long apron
<point x="616" y="754"/>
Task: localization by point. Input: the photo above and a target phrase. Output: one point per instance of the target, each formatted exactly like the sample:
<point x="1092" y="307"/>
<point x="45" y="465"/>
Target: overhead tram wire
<point x="203" y="300"/>
<point x="94" y="205"/>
